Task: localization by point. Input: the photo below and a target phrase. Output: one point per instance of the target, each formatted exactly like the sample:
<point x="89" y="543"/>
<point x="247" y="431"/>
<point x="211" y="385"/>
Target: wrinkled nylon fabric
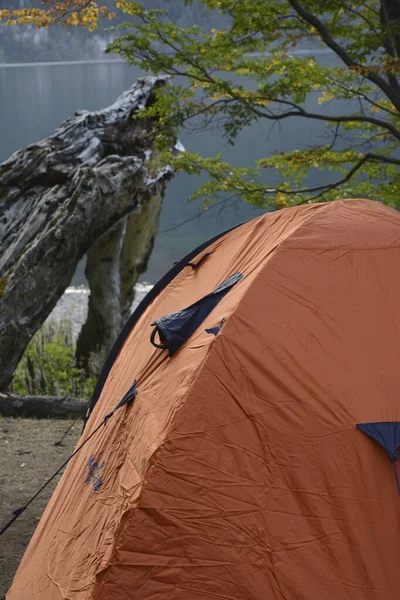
<point x="238" y="473"/>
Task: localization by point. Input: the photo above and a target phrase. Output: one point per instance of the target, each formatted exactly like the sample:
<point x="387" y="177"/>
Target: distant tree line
<point x="22" y="43"/>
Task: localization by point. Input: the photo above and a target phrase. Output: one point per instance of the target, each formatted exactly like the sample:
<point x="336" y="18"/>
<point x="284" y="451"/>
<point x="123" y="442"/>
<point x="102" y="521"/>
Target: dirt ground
<point x="28" y="457"/>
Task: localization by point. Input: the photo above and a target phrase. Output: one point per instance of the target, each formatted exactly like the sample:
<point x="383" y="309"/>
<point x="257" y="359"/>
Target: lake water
<point x="35" y="99"/>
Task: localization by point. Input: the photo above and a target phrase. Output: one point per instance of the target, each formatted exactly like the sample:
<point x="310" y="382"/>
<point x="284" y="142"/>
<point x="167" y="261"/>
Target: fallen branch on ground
<point x="42" y="407"/>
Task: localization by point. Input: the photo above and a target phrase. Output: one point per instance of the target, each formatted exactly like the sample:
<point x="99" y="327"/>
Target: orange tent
<point x="234" y="468"/>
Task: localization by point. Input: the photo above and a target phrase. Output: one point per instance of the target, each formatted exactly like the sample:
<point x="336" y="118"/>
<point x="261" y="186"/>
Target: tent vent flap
<point x="176" y="328"/>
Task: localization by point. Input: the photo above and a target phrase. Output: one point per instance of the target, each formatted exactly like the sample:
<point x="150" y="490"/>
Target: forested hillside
<point x="28" y="44"/>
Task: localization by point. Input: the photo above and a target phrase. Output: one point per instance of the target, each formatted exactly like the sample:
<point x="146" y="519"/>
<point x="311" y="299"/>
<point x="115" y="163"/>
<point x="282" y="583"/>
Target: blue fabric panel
<point x="176" y="328"/>
<point x="214" y="330"/>
<point x="386" y="433"/>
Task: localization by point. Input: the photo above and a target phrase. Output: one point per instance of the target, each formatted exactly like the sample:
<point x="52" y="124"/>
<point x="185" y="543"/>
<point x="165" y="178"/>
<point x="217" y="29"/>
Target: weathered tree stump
<point x="59" y="196"/>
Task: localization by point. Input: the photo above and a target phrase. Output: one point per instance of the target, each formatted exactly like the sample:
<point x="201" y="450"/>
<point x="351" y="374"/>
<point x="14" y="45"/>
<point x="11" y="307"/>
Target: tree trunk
<point x="141" y="229"/>
<point x="58" y="197"/>
<point x="103" y="322"/>
<point x="114" y="264"/>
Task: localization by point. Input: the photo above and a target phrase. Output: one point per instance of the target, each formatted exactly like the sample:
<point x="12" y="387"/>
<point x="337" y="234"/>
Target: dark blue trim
<point x="214" y="330"/>
<point x="176" y="328"/>
<point x="135" y="316"/>
<point x="387" y="434"/>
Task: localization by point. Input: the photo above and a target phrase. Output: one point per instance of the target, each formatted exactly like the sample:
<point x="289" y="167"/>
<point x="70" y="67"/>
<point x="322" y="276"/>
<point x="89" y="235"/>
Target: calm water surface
<point x="35" y="99"/>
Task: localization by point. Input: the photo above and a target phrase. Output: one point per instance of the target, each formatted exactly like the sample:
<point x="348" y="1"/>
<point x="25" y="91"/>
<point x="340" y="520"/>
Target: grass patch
<point x="48" y="366"/>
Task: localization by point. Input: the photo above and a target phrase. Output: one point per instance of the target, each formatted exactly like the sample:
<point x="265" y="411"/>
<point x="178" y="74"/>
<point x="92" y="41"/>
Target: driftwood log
<point x="93" y="184"/>
<point x="42" y="407"/>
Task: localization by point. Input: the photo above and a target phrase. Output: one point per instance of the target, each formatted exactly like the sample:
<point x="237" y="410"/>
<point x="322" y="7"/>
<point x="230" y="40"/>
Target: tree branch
<point x="328" y="186"/>
<point x="325" y="187"/>
<point x="42" y="407"/>
<point x="391" y="93"/>
<point x="300" y="112"/>
<point x="389" y="44"/>
<point x="199" y="214"/>
<point x="359" y="15"/>
<point x="180" y="51"/>
<point x="77" y="9"/>
<point x="358" y="94"/>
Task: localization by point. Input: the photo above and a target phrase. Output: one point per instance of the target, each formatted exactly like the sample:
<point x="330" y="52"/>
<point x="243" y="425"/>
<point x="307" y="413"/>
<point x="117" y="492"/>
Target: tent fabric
<point x="238" y="473"/>
<point x="147" y="300"/>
